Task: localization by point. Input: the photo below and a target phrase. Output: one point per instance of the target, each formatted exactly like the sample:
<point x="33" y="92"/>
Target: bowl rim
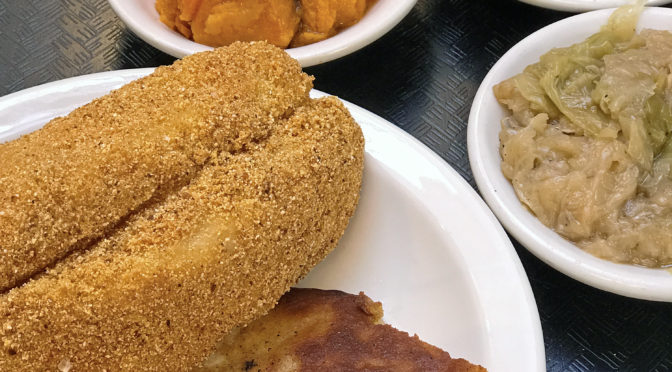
<point x="381" y="18"/>
<point x="584" y="5"/>
<point x="544" y="243"/>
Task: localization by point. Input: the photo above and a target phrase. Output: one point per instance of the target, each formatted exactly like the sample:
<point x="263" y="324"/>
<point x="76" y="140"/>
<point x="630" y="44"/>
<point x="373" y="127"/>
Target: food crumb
<point x="64" y="365"/>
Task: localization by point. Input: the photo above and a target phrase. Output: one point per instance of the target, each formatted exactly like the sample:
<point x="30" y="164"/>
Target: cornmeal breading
<point x="70" y="183"/>
<point x="159" y="292"/>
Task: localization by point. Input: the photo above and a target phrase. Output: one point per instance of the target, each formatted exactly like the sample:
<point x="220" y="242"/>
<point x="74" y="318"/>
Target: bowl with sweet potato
<point x="312" y="31"/>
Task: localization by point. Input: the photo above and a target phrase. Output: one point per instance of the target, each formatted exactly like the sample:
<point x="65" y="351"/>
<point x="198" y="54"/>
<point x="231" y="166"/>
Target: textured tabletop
<point x="422" y="76"/>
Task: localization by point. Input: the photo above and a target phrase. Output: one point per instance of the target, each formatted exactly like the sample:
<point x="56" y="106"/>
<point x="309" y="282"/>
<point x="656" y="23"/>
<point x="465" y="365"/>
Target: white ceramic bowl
<point x="585" y="5"/>
<point x="483" y="144"/>
<point x="141" y="17"/>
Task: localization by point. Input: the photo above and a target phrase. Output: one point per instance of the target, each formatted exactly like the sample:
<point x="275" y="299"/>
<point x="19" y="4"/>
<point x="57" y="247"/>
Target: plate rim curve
<point x="581" y="5"/>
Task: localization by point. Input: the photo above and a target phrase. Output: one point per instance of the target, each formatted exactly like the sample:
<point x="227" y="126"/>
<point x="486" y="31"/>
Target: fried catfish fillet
<point x="159" y="291"/>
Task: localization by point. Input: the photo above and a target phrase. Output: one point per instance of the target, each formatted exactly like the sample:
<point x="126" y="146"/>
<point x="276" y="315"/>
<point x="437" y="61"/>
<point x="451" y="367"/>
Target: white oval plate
<point x="421" y="241"/>
<point x="141" y="17"/>
<point x="585" y="5"/>
<point x="483" y="145"/>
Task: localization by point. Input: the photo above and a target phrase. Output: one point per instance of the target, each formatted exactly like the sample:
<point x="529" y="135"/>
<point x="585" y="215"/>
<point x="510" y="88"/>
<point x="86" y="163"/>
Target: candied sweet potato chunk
<point x="318" y="15"/>
<point x="168" y="11"/>
<point x="184" y="28"/>
<point x="219" y="23"/>
<point x="307" y="37"/>
<point x="321" y="19"/>
<point x="349" y="12"/>
<point x="188" y="9"/>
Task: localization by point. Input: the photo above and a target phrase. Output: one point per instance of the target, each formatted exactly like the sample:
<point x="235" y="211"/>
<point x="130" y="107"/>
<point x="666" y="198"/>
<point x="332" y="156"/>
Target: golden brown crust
<point x="159" y="292"/>
<point x="69" y="183"/>
<point x="312" y="330"/>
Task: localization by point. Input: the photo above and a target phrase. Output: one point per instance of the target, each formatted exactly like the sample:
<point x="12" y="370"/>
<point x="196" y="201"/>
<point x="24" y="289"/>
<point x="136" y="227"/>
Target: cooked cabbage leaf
<point x="615" y="84"/>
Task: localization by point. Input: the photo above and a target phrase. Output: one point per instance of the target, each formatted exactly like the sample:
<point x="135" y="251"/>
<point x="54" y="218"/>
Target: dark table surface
<point x="421" y="76"/>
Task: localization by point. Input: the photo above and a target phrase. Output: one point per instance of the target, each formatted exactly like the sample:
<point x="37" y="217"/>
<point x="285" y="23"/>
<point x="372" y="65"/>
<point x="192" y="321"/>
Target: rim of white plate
<point x="585" y="5"/>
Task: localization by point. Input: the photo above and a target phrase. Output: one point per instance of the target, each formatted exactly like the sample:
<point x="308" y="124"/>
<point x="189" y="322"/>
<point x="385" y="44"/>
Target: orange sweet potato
<point x="280" y="22"/>
<point x="318" y="15"/>
<point x="184" y="28"/>
<point x="219" y="23"/>
<point x="168" y="11"/>
<point x="303" y="37"/>
<point x="321" y="19"/>
<point x="349" y="12"/>
<point x="188" y="9"/>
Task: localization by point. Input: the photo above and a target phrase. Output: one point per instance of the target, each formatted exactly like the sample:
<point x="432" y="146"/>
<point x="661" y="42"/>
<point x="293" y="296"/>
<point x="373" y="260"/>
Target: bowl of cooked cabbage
<point x="570" y="143"/>
<point x="312" y="32"/>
